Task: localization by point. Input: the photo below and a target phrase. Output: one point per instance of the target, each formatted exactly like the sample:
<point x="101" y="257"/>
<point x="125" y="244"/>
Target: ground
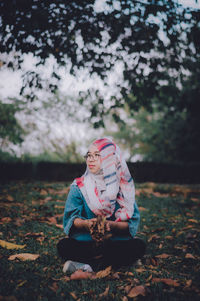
<point x="31" y="219"/>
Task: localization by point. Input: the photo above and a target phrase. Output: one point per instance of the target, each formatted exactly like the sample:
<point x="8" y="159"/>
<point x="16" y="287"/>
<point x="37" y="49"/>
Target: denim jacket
<point x="76" y="207"/>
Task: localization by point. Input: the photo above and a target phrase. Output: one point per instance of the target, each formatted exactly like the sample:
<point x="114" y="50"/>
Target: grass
<point x="31" y="215"/>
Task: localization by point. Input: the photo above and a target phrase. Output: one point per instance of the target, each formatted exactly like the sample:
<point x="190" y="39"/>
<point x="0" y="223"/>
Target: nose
<point x="91" y="158"/>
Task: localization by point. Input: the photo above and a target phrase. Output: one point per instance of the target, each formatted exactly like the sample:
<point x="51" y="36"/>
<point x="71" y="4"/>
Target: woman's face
<point x="93" y="159"/>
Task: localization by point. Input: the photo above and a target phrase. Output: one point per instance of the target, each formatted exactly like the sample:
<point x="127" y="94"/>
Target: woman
<point x="106" y="189"/>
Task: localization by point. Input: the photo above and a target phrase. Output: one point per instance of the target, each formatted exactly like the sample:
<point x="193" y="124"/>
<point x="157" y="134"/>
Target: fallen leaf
<point x="59" y="226"/>
<point x="169" y="237"/>
<point x="54" y="287"/>
<point x="142" y="209"/>
<point x="127" y="288"/>
<point x="153" y="237"/>
<point x="193" y="221"/>
<point x="10" y="198"/>
<point x="105" y="293"/>
<point x="6" y="220"/>
<point x="98" y="230"/>
<point x="188" y="283"/>
<point x="152" y="267"/>
<point x="164" y="255"/>
<point x="52" y="220"/>
<point x="31" y="234"/>
<point x="8" y="298"/>
<point x="79" y="274"/>
<point x="188" y="255"/>
<point x="129" y="274"/>
<point x="103" y="273"/>
<point x="137" y="290"/>
<point x="124" y="298"/>
<point x="21" y="283"/>
<point x="43" y="192"/>
<point x="187" y="227"/>
<point x="73" y="295"/>
<point x="149" y="278"/>
<point x="24" y="256"/>
<point x="140" y="270"/>
<point x="63" y="191"/>
<point x="167" y="281"/>
<point x="10" y="246"/>
<point x="47" y="199"/>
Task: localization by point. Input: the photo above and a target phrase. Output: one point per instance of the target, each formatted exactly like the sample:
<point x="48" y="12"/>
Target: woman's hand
<point x="118" y="227"/>
<point x="84" y="224"/>
<point x="110" y="226"/>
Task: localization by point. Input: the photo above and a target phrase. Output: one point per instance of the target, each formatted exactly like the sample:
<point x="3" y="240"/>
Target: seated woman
<point x="106" y="189"/>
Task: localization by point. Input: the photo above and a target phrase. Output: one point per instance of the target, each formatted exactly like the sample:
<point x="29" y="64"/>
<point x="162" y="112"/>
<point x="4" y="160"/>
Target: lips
<point x="91" y="166"/>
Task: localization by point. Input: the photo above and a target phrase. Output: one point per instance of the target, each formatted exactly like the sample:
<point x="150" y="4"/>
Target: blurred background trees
<point x="154" y="107"/>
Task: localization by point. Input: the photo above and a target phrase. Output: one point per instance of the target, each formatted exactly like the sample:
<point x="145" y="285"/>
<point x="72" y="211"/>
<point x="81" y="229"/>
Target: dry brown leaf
<point x="151" y="267"/>
<point x="10" y="246"/>
<point x="167" y="281"/>
<point x="142" y="208"/>
<point x="52" y="220"/>
<point x="73" y="295"/>
<point x="79" y="274"/>
<point x="21" y="283"/>
<point x="59" y="226"/>
<point x="191" y="220"/>
<point x="116" y="275"/>
<point x="187" y="227"/>
<point x="164" y="255"/>
<point x="124" y="298"/>
<point x="153" y="237"/>
<point x="43" y="192"/>
<point x="10" y="198"/>
<point x="137" y="290"/>
<point x="104" y="273"/>
<point x="54" y="287"/>
<point x="149" y="278"/>
<point x="5" y="220"/>
<point x="188" y="283"/>
<point x="169" y="237"/>
<point x="98" y="230"/>
<point x="63" y="191"/>
<point x="24" y="256"/>
<point x="8" y="298"/>
<point x="35" y="235"/>
<point x="127" y="288"/>
<point x="140" y="270"/>
<point x="105" y="293"/>
<point x="188" y="255"/>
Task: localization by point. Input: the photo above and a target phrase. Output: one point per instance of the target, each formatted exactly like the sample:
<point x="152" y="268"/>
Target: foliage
<point x="168" y="133"/>
<point x="31" y="216"/>
<point x="10" y="129"/>
<point x="155" y="137"/>
<point x="155" y="41"/>
<point x="69" y="153"/>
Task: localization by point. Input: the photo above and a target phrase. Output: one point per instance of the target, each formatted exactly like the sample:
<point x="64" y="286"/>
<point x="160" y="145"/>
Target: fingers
<point x="108" y="229"/>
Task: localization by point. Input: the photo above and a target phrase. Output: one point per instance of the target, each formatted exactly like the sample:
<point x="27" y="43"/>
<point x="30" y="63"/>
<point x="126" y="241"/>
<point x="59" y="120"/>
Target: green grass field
<point x="31" y="216"/>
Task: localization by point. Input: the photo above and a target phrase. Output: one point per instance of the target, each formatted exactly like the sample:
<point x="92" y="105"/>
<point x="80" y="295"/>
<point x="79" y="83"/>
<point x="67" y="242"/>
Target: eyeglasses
<point x="94" y="157"/>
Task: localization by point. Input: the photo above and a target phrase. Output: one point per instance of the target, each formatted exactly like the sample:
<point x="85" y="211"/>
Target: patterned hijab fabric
<point x="113" y="183"/>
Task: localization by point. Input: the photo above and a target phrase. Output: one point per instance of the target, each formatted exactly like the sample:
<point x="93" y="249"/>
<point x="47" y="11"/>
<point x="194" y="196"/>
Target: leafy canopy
<point x="155" y="40"/>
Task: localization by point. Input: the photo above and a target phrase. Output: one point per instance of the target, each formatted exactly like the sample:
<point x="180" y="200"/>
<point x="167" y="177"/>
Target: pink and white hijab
<point x="112" y="184"/>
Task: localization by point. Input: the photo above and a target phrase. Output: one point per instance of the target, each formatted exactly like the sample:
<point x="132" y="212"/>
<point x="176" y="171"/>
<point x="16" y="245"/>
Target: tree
<point x="155" y="40"/>
<point x="10" y="129"/>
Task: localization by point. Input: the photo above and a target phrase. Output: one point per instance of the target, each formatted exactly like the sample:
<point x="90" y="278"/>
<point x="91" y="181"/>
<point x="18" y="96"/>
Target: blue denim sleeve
<point x="73" y="208"/>
<point x="134" y="221"/>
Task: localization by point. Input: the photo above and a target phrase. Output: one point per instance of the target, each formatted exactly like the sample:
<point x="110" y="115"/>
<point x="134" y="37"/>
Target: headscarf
<point x="112" y="184"/>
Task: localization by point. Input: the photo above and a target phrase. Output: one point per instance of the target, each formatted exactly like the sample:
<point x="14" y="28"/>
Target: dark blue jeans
<point x="115" y="253"/>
